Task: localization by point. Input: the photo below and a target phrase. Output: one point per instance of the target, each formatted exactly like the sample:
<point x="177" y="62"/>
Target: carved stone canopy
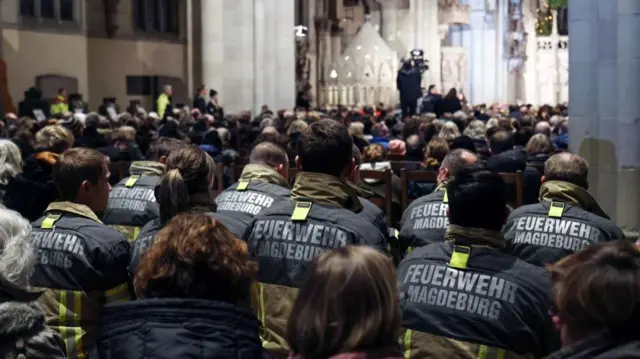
<point x="452" y="12"/>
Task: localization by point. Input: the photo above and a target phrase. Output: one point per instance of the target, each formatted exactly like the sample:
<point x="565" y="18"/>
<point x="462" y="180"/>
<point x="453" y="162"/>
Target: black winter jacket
<point x="179" y="328"/>
<point x="601" y="346"/>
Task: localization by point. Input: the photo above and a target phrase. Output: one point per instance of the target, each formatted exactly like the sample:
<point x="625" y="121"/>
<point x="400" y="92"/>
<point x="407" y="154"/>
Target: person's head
<point x="597" y="290"/>
<point x="373" y="153"/>
<point x="397" y="147"/>
<point x="453" y="162"/>
<point x="123" y="136"/>
<point x="539" y="144"/>
<point x="17" y="256"/>
<point x="475" y="130"/>
<point x="296" y="126"/>
<point x="190" y="174"/>
<point x="356" y="129"/>
<point x="54" y="139"/>
<point x="452" y="94"/>
<point x="522" y="136"/>
<point x="563" y="127"/>
<point x="325" y="147"/>
<point x="202" y="90"/>
<point x="225" y="136"/>
<point x="168" y="89"/>
<point x="160" y="150"/>
<point x="433" y="90"/>
<point x="10" y="161"/>
<point x="500" y="141"/>
<point x="81" y="175"/>
<point x="269" y="131"/>
<point x="348" y="303"/>
<point x="62" y="92"/>
<point x="213" y="95"/>
<point x="73" y="124"/>
<point x="449" y="131"/>
<point x="272" y="155"/>
<point x="415" y="146"/>
<point x="379" y="130"/>
<point x="567" y="167"/>
<point x="195" y="256"/>
<point x="436" y="151"/>
<point x="477" y="199"/>
<point x="543" y="127"/>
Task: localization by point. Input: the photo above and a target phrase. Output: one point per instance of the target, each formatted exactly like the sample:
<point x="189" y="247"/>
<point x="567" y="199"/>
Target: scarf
<point x="474" y="236"/>
<point x="572" y="194"/>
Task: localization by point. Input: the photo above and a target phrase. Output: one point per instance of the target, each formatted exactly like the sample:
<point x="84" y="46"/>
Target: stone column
<point x="248" y="52"/>
<point x="604" y="58"/>
<point x="389" y="20"/>
<point x="429" y="28"/>
<point x="336" y="44"/>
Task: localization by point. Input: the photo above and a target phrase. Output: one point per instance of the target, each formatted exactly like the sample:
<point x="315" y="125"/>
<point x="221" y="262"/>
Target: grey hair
<point x="167" y="87"/>
<point x="449" y="131"/>
<point x="475" y="130"/>
<point x="10" y="161"/>
<point x="17" y="256"/>
<point x="224" y="135"/>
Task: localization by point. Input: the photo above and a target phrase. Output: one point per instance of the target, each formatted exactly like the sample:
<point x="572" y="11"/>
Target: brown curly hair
<point x="195" y="256"/>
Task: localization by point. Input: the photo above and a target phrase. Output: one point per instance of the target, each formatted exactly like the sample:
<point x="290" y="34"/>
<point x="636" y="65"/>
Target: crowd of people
<point x="132" y="237"/>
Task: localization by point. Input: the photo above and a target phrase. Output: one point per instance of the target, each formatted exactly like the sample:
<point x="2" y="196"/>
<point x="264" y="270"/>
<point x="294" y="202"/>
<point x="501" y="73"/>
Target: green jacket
<point x="162" y="103"/>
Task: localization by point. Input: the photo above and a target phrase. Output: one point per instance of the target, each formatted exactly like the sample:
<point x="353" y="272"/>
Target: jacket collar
<point x="475" y="236"/>
<point x="147" y="168"/>
<point x="326" y="189"/>
<point x="263" y="173"/>
<point x="572" y="194"/>
<point x="75" y="208"/>
<point x="361" y="192"/>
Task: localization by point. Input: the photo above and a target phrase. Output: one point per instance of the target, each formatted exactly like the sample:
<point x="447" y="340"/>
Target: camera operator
<point x="409" y="84"/>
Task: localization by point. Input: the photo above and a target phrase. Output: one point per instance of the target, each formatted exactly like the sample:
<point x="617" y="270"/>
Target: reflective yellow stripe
<point x="409" y="250"/>
<point x="77" y="310"/>
<point x="556" y="209"/>
<point x="50" y="221"/>
<point x="62" y="315"/>
<point x="261" y="301"/>
<point x="407" y="344"/>
<point x="242" y="185"/>
<point x="117" y="294"/>
<point x="487" y="352"/>
<point x="301" y="211"/>
<point x="460" y="257"/>
<point x="132" y="181"/>
<point x="136" y="233"/>
<point x="445" y="199"/>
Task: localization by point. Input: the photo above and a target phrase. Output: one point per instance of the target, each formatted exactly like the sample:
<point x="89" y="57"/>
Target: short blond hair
<point x="54" y="138"/>
<point x="124" y="133"/>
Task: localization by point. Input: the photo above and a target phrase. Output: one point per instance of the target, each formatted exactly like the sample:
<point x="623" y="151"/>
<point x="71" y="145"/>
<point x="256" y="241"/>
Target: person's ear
<point x="443" y="175"/>
<point x="84" y="186"/>
<point x="281" y="170"/>
<point x="163" y="160"/>
<point x="543" y="179"/>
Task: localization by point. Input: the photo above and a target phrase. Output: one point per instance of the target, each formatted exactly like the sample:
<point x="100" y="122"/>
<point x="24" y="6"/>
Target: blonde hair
<point x="54" y="138"/>
<point x="449" y="131"/>
<point x="373" y="153"/>
<point x="124" y="133"/>
<point x="296" y="126"/>
<point x="356" y="129"/>
<point x="475" y="130"/>
<point x="540" y="143"/>
<point x="348" y="303"/>
<point x="10" y="161"/>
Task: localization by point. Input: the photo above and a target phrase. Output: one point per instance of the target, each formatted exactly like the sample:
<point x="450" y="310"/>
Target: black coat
<point x="178" y="328"/>
<point x="200" y="104"/>
<point x="516" y="160"/>
<point x="30" y="192"/>
<point x="601" y="347"/>
<point x="448" y="105"/>
<point x="409" y="84"/>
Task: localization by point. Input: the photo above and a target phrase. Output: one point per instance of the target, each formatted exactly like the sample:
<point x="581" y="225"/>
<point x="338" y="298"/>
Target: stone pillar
<point x="248" y="52"/>
<point x="428" y="30"/>
<point x="389" y="20"/>
<point x="604" y="58"/>
<point x="336" y="44"/>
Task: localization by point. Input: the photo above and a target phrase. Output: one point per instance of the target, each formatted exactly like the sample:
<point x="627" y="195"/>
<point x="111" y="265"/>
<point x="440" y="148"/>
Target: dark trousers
<point x="409" y="108"/>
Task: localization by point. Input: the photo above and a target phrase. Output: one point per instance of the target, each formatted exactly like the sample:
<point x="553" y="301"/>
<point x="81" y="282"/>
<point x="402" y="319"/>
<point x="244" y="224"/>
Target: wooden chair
<point x="392" y="157"/>
<point x="236" y="171"/>
<point x="538" y="166"/>
<point x="219" y="180"/>
<point x="384" y="203"/>
<point x="398" y="166"/>
<point x="419" y="176"/>
<point x="517" y="180"/>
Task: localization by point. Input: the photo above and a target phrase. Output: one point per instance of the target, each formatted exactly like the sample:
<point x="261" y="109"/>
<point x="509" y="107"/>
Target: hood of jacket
<point x="150" y="168"/>
<point x="509" y="161"/>
<point x="572" y="194"/>
<point x="375" y="166"/>
<point x="263" y="173"/>
<point x="326" y="189"/>
<point x="601" y="346"/>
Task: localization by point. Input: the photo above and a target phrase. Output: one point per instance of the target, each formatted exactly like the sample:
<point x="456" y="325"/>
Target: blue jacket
<point x="179" y="328"/>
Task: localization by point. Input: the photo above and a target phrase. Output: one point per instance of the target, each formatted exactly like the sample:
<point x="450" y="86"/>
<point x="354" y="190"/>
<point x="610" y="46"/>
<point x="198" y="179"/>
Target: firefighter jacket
<point x="425" y="221"/>
<point x="467" y="298"/>
<point x="321" y="215"/>
<point x="82" y="264"/>
<point x="260" y="187"/>
<point x="565" y="221"/>
<point x="132" y="202"/>
<point x="149" y="232"/>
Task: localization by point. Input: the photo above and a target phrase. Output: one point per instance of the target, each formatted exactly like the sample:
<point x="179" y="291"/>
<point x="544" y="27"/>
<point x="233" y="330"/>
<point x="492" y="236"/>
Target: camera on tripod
<point x="418" y="60"/>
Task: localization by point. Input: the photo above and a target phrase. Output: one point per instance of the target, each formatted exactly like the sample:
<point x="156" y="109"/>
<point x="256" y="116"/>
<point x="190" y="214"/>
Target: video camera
<point x="417" y="56"/>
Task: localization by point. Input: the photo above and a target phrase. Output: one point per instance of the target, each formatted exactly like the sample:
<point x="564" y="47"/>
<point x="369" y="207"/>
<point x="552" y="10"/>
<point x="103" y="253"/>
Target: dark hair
<point x="452" y="94"/>
<point x="268" y="154"/>
<point x="61" y="90"/>
<point x="567" y="167"/>
<point x="477" y="198"/>
<point x="325" y="147"/>
<point x="212" y="93"/>
<point x="523" y="135"/>
<point x="163" y="147"/>
<point x="190" y="171"/>
<point x="598" y="289"/>
<point x="195" y="256"/>
<point x="463" y="142"/>
<point x="75" y="166"/>
<point x="348" y="303"/>
<point x="501" y="141"/>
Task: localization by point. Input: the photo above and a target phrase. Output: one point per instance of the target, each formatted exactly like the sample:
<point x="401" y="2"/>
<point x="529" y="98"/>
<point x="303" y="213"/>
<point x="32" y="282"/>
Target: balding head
<point x="270" y="130"/>
<point x="567" y="167"/>
<point x="272" y="155"/>
<point x="543" y="127"/>
<point x="453" y="162"/>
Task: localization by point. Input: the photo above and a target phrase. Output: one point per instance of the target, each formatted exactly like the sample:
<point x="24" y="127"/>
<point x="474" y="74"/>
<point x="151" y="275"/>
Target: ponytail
<point x="172" y="195"/>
